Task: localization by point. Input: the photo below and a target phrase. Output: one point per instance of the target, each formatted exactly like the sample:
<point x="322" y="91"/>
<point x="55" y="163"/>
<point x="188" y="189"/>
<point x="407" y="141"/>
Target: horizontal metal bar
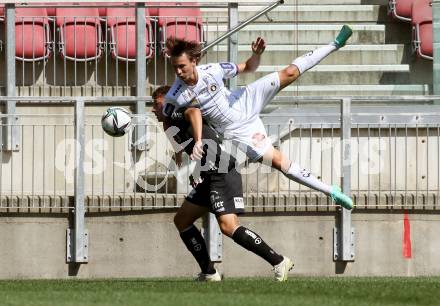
<point x="275" y="101"/>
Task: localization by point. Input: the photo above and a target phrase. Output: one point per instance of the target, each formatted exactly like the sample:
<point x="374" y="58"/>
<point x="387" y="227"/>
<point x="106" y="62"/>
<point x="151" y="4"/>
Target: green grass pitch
<point x="234" y="292"/>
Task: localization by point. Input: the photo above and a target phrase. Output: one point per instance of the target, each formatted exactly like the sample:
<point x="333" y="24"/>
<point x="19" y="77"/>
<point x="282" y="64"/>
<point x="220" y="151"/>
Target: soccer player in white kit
<point x="235" y="114"/>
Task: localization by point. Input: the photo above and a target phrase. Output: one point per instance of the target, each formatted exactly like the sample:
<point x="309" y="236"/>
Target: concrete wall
<point x="147" y="245"/>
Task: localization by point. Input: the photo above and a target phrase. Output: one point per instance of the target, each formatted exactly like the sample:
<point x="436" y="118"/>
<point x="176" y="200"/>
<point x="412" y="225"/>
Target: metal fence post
<point x="77" y="238"/>
<point x="343" y="248"/>
<point x="140" y="131"/>
<point x="11" y="130"/>
<point x="213" y="237"/>
<point x="233" y="40"/>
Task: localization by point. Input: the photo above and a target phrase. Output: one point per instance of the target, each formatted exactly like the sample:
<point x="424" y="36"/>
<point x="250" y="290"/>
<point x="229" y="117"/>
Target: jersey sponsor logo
<point x="216" y="202"/>
<point x="177" y="90"/>
<point x="227" y="66"/>
<point x="238" y="202"/>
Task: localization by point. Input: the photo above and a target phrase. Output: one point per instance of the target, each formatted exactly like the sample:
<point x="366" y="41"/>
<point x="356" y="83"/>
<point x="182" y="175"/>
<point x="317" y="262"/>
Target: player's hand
<point x="195" y="181"/>
<point x="197" y="152"/>
<point x="258" y="46"/>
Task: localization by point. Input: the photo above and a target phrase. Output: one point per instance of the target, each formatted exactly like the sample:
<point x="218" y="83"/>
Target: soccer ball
<point x="116" y="121"/>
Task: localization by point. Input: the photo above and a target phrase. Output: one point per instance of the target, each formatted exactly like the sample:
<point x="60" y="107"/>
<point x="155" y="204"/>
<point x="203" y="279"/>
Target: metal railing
<point x="394" y="163"/>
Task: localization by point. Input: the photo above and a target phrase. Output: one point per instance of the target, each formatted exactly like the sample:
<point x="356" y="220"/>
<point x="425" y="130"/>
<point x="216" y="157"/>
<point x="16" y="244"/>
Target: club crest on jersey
<point x="213" y="87"/>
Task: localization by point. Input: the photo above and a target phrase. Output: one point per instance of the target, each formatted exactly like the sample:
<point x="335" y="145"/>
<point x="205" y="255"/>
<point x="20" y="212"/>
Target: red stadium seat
<point x="400" y="9"/>
<point x="184" y="23"/>
<point x="80" y="33"/>
<point x="122" y="24"/>
<point x="51" y="9"/>
<point x="154" y="11"/>
<point x="422" y="28"/>
<point x="32" y="34"/>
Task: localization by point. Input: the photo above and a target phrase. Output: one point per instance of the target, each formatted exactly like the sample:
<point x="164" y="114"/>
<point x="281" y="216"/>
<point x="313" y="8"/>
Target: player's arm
<point x="253" y="62"/>
<point x="194" y="117"/>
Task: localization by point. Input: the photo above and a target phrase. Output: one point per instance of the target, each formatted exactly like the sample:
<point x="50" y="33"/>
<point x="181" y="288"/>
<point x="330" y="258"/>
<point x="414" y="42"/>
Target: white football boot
<point x="202" y="277"/>
<point x="282" y="269"/>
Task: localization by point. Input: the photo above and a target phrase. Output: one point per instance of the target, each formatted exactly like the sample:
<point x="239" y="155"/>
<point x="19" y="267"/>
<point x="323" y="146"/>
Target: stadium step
<point x="349" y="55"/>
<point x="344" y="74"/>
<point x="302" y="33"/>
<point x="358" y="90"/>
<point x="308" y="13"/>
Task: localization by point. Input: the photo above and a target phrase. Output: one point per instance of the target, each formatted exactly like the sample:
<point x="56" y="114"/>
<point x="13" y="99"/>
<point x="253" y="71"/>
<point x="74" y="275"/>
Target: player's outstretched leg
<point x="302" y="176"/>
<point x="253" y="242"/>
<point x="313" y="58"/>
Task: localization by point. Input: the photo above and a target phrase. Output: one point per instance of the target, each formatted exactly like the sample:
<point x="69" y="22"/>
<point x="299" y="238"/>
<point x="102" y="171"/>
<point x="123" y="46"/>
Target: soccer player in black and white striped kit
<point x="216" y="189"/>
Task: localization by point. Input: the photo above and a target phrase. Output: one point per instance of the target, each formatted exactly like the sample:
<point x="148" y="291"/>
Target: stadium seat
<point x="154" y="11"/>
<point x="51" y="9"/>
<point x="400" y="9"/>
<point x="422" y="28"/>
<point x="184" y="23"/>
<point x="32" y="34"/>
<point x="80" y="33"/>
<point x="122" y="24"/>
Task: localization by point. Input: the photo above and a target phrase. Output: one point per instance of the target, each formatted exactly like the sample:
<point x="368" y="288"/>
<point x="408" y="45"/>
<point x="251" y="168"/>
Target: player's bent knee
<point x="228" y="225"/>
<point x="288" y="75"/>
<point x="180" y="222"/>
<point x="227" y="229"/>
<point x="292" y="72"/>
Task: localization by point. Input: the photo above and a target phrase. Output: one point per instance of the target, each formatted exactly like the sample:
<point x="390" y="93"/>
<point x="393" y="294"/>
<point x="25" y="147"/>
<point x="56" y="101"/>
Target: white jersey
<point x="234" y="114"/>
<point x="209" y="95"/>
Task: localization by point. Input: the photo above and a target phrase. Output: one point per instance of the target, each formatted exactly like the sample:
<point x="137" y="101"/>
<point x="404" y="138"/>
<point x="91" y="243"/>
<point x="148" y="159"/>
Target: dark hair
<point x="177" y="46"/>
<point x="160" y="91"/>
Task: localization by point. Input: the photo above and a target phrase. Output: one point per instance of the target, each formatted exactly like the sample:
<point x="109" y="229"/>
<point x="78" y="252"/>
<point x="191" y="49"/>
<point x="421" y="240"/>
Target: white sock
<point x="304" y="177"/>
<point x="311" y="59"/>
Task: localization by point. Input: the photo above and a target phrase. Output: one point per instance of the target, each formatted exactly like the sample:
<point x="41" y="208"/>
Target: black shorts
<point x="221" y="192"/>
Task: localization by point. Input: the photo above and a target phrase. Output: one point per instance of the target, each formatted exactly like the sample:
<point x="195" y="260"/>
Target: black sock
<point x="251" y="241"/>
<point x="196" y="245"/>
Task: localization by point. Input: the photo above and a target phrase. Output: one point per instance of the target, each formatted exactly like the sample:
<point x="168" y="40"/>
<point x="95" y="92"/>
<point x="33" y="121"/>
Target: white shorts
<point x="250" y="134"/>
<point x="255" y="96"/>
